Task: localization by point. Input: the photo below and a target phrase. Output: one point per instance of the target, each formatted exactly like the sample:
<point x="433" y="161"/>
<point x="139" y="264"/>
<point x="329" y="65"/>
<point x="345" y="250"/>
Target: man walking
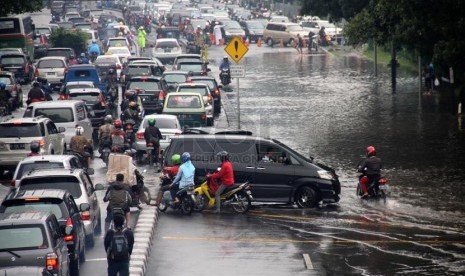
<point x="118" y="244"/>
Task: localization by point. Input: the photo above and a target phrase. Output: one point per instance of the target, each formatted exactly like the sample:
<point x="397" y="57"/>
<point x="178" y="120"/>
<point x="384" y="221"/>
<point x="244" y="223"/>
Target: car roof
<point x="39" y="193"/>
<point x="81" y="66"/>
<point x="167" y="40"/>
<point x="176" y="73"/>
<point x="47" y="157"/>
<point x="192" y="78"/>
<point x="12" y="55"/>
<point x="60" y="48"/>
<point x="25" y="120"/>
<point x="184" y="94"/>
<point x="23" y="218"/>
<point x="79" y="82"/>
<point x="191" y="84"/>
<point x="209" y="130"/>
<point x="84" y="90"/>
<point x="52" y="57"/>
<point x="188" y="56"/>
<point x="52" y="172"/>
<point x="227" y="137"/>
<point x="148" y="78"/>
<point x="50" y="104"/>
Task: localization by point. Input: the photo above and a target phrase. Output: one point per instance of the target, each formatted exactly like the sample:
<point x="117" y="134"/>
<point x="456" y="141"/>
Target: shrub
<point x="75" y="39"/>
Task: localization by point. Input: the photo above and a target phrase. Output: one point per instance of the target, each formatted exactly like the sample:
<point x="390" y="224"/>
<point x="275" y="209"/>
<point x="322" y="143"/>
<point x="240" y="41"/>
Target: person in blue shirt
<point x="225" y="63"/>
<point x="184" y="178"/>
<point x="94" y="48"/>
<point x="84" y="59"/>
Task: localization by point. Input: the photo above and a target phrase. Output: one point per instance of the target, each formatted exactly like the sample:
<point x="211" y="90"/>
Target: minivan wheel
<point x="306" y="197"/>
<point x="74" y="267"/>
<point x="269" y="41"/>
<point x="291" y="42"/>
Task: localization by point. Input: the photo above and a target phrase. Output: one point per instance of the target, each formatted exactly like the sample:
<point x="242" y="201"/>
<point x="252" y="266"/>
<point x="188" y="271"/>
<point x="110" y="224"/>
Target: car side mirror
<point x="61" y="129"/>
<point x="90" y="171"/>
<point x="99" y="187"/>
<point x="83" y="207"/>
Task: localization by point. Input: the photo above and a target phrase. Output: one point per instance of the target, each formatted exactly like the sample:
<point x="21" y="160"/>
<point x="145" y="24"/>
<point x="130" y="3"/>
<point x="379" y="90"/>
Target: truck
<point x="85" y="72"/>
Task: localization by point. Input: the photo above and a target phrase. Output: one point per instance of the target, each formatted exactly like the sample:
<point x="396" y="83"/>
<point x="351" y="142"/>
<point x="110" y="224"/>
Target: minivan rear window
<point x="47" y="205"/>
<point x="67" y="183"/>
<point x="21" y="130"/>
<point x="51" y="63"/>
<point x="184" y="101"/>
<point x="57" y="115"/>
<point x="37" y="166"/>
<point x="18" y="237"/>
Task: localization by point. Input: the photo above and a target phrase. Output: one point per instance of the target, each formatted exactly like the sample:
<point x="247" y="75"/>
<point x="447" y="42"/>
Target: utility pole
<point x="393" y="66"/>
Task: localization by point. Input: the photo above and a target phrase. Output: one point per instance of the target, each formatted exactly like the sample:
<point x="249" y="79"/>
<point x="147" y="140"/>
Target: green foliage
<point x="334" y="9"/>
<point x="75" y="39"/>
<point x="8" y="7"/>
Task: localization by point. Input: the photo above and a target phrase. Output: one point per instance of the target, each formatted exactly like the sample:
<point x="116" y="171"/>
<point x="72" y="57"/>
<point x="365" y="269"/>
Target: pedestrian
<point x="300" y="44"/>
<point x="141" y="34"/>
<point x="218" y="34"/>
<point x="118" y="243"/>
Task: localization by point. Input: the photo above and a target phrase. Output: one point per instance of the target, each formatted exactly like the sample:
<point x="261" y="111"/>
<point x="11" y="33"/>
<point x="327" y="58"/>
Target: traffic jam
<point x="121" y="121"/>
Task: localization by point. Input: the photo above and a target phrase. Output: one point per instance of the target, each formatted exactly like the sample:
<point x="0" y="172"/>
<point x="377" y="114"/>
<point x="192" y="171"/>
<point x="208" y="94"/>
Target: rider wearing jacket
<point x="35" y="148"/>
<point x="5" y="97"/>
<point x="225" y="175"/>
<point x="171" y="171"/>
<point x="94" y="48"/>
<point x="81" y="144"/>
<point x="153" y="136"/>
<point x="118" y="137"/>
<point x="35" y="94"/>
<point x="371" y="169"/>
<point x="104" y="132"/>
<point x="185" y="176"/>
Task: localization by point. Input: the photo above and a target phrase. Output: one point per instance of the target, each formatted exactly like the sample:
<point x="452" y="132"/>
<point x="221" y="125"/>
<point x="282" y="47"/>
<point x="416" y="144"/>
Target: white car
<point x="168" y="124"/>
<point x="111" y="59"/>
<point x="119" y="52"/>
<point x="166" y="49"/>
<point x="53" y="69"/>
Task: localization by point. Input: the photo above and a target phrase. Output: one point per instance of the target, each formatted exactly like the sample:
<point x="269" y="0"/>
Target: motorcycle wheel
<point x="201" y="202"/>
<point x="187" y="205"/>
<point x="162" y="206"/>
<point x="241" y="202"/>
<point x="146" y="197"/>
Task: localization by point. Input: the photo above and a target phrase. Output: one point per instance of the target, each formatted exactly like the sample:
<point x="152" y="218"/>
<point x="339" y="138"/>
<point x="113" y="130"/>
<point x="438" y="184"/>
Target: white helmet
<point x="79" y="130"/>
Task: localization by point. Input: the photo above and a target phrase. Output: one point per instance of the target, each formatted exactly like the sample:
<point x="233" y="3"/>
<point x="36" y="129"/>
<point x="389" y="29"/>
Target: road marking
<point x="265" y="240"/>
<point x="308" y="262"/>
<point x="96" y="260"/>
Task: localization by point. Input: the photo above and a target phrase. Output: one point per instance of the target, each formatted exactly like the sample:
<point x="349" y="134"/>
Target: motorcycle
<point x="239" y="197"/>
<point x="3" y="108"/>
<point x="225" y="76"/>
<point x="113" y="92"/>
<point x="140" y="193"/>
<point x="187" y="199"/>
<point x="129" y="128"/>
<point x="106" y="150"/>
<point x="377" y="189"/>
<point x="46" y="88"/>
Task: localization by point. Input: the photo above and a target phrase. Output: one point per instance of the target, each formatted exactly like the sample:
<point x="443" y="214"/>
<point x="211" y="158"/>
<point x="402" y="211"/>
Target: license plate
<point x="149" y="148"/>
<point x="17" y="146"/>
<point x="50" y="73"/>
<point x="382" y="187"/>
<point x="184" y="116"/>
<point x="167" y="50"/>
<point x="165" y="137"/>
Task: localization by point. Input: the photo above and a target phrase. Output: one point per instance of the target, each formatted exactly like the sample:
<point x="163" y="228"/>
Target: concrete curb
<point x="143" y="237"/>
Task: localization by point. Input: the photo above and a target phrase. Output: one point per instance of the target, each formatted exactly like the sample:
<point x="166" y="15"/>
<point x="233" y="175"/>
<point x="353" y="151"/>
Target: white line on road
<point x="308" y="262"/>
<point x="96" y="260"/>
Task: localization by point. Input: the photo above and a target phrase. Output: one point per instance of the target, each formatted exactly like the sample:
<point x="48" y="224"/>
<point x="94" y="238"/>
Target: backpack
<point x="118" y="199"/>
<point x="119" y="248"/>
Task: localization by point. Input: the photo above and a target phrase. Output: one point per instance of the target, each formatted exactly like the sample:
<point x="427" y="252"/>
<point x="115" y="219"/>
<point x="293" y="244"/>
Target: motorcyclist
<point x="225" y="175"/>
<point x="225" y="63"/>
<point x="35" y="94"/>
<point x="45" y="87"/>
<point x="172" y="172"/>
<point x="129" y="96"/>
<point x="118" y="137"/>
<point x="72" y="60"/>
<point x="35" y="148"/>
<point x="371" y="169"/>
<point x="5" y="97"/>
<point x="118" y="195"/>
<point x="111" y="76"/>
<point x="94" y="49"/>
<point x="224" y="69"/>
<point x="131" y="113"/>
<point x="104" y="133"/>
<point x="198" y="39"/>
<point x="184" y="177"/>
<point x="153" y="135"/>
<point x="84" y="59"/>
<point x="81" y="144"/>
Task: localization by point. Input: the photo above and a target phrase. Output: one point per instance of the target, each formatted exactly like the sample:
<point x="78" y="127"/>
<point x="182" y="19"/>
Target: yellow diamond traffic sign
<point x="236" y="49"/>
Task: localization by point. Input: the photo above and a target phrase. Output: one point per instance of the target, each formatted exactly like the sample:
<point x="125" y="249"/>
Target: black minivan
<point x="277" y="173"/>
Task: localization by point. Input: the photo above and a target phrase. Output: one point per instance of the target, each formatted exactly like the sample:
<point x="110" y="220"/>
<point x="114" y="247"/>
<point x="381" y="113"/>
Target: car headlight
<point x="325" y="175"/>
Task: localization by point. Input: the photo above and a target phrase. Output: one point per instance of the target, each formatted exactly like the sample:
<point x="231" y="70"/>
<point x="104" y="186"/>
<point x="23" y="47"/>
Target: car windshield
<point x="144" y="85"/>
<point x="85" y="26"/>
<point x="5" y="80"/>
<point x="57" y="115"/>
<point x="187" y="59"/>
<point x="37" y="166"/>
<point x="190" y="67"/>
<point x="117" y="43"/>
<point x="58" y="53"/>
<point x="22" y="130"/>
<point x="184" y="101"/>
<point x="210" y="83"/>
<point x="86" y="97"/>
<point x="294" y="28"/>
<point x="254" y="25"/>
<point x="18" y="237"/>
<point x="166" y="44"/>
<point x="51" y="63"/>
<point x="119" y="51"/>
<point x="175" y="78"/>
<point x="12" y="60"/>
<point x="67" y="183"/>
<point x="231" y="25"/>
<point x="162" y="123"/>
<point x="138" y="71"/>
<point x="201" y="90"/>
<point x="23" y="206"/>
<point x="106" y="60"/>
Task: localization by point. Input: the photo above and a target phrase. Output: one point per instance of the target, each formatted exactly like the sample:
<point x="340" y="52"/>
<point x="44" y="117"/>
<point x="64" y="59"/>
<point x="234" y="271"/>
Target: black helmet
<point x="36" y="84"/>
<point x="35" y="146"/>
<point x="111" y="71"/>
<point x="224" y="155"/>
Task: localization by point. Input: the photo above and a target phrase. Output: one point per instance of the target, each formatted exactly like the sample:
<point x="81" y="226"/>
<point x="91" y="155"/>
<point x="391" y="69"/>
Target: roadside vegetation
<point x="75" y="39"/>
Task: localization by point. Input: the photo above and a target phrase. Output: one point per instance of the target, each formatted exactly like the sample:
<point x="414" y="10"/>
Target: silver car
<point x="169" y="126"/>
<point x="53" y="69"/>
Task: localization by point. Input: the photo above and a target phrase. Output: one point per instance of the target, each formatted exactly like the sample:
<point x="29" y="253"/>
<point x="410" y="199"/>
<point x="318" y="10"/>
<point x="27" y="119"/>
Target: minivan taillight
<point x="13" y="183"/>
<point x="65" y="70"/>
<point x="36" y="73"/>
<point x="140" y="135"/>
<point x="204" y="116"/>
<point x="161" y="96"/>
<point x="52" y="261"/>
<point x="69" y="238"/>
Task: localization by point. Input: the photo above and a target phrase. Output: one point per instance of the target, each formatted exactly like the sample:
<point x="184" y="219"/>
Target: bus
<point x="17" y="32"/>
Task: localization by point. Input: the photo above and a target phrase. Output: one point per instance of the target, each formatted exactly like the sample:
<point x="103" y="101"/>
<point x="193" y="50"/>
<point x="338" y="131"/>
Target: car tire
<point x="270" y="42"/>
<point x="306" y="197"/>
<point x="210" y="121"/>
<point x="291" y="43"/>
<point x="90" y="242"/>
<point x="74" y="266"/>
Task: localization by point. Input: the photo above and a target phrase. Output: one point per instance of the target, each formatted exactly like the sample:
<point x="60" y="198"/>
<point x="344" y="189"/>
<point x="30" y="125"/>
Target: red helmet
<point x="129" y="94"/>
<point x="118" y="123"/>
<point x="371" y="151"/>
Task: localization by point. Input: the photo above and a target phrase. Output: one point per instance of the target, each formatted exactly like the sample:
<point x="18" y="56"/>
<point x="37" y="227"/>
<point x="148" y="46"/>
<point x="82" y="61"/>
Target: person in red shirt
<point x="225" y="175"/>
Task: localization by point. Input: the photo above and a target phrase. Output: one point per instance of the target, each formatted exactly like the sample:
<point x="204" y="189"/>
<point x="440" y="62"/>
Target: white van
<point x="67" y="114"/>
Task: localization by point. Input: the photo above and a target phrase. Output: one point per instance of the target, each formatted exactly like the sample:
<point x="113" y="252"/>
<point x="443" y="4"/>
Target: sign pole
<point x="238" y="107"/>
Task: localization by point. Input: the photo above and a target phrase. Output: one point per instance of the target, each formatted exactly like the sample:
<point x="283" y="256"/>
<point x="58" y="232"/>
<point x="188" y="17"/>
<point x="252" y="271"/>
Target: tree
<point x="334" y="9"/>
<point x="19" y="6"/>
<point x="75" y="39"/>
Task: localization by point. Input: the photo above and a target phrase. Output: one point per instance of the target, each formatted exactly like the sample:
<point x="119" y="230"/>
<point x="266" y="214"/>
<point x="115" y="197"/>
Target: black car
<point x="146" y="70"/>
<point x="214" y="88"/>
<point x="253" y="29"/>
<point x="41" y="45"/>
<point x="20" y="65"/>
<point x="152" y="92"/>
<point x="33" y="239"/>
<point x="60" y="203"/>
<point x="277" y="172"/>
